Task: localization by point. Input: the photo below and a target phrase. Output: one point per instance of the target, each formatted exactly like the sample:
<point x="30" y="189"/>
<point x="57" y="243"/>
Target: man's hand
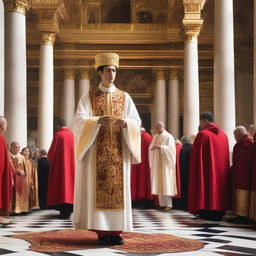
<point x="155" y="147"/>
<point x="105" y="120"/>
<point x="121" y="123"/>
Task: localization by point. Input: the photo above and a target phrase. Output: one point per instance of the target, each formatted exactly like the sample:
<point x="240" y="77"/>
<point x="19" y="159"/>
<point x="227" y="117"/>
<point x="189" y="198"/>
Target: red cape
<point x="62" y="168"/>
<point x="210" y="176"/>
<point x="6" y="171"/>
<point x="178" y="148"/>
<point x="140" y="173"/>
<point x="241" y="168"/>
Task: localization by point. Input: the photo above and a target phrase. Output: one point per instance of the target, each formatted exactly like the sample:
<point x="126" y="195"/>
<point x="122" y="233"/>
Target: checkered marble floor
<point x="220" y="238"/>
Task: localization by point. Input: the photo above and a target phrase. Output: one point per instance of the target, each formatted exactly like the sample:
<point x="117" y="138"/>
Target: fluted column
<point x="160" y="98"/>
<point x="1" y="58"/>
<point x="15" y="71"/>
<point x="68" y="103"/>
<point x="191" y="81"/>
<point x="173" y="104"/>
<point x="224" y="82"/>
<point x="84" y="82"/>
<point x="45" y="107"/>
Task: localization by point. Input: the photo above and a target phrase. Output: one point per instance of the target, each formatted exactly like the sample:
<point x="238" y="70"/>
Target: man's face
<point x="159" y="128"/>
<point x="3" y="125"/>
<point x="26" y="153"/>
<point x="108" y="75"/>
<point x="16" y="148"/>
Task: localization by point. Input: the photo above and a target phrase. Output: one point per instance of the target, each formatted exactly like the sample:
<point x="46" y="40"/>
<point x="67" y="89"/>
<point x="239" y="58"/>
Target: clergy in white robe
<point x="107" y="137"/>
<point x="162" y="160"/>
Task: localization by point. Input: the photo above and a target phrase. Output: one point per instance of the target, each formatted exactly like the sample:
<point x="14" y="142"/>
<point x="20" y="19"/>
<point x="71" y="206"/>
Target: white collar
<point x="107" y="89"/>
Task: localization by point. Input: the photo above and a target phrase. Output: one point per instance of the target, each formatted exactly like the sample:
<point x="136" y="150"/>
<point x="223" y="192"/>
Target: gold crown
<point x="107" y="59"/>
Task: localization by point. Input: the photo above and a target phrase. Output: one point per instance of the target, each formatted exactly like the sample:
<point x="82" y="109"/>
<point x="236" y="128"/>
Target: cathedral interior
<point x="148" y="35"/>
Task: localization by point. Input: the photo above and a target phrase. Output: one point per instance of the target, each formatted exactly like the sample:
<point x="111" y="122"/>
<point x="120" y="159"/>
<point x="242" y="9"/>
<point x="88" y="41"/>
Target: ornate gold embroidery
<point x="109" y="170"/>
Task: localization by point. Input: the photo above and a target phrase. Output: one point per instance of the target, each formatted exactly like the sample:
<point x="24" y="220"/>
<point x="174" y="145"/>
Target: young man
<point x="107" y="130"/>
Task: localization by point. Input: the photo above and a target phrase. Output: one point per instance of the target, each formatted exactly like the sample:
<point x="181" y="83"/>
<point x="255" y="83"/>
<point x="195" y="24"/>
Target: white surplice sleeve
<point x="85" y="126"/>
<point x="131" y="133"/>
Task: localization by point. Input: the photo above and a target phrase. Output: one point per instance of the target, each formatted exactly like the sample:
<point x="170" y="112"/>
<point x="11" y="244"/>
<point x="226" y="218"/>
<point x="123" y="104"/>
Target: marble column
<point x="16" y="71"/>
<point x="173" y="104"/>
<point x="191" y="81"/>
<point x="224" y="82"/>
<point x="68" y="103"/>
<point x="159" y="98"/>
<point x="84" y="82"/>
<point x="1" y="58"/>
<point x="46" y="95"/>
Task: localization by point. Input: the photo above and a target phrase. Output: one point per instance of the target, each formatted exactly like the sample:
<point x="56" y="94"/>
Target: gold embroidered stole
<point x="109" y="166"/>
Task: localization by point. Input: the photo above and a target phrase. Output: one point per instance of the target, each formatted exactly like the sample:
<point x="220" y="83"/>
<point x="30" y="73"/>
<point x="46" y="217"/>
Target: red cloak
<point x="241" y="164"/>
<point x="140" y="173"/>
<point x="62" y="168"/>
<point x="210" y="176"/>
<point x="6" y="171"/>
<point x="178" y="148"/>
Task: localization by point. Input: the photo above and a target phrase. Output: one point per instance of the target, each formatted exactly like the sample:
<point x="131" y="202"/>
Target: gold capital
<point x="174" y="74"/>
<point x="69" y="74"/>
<point x="84" y="74"/>
<point x="21" y="6"/>
<point x="192" y="30"/>
<point x="159" y="74"/>
<point x="48" y="38"/>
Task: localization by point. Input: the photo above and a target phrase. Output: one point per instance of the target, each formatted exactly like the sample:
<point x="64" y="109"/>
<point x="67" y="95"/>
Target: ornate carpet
<point x="67" y="240"/>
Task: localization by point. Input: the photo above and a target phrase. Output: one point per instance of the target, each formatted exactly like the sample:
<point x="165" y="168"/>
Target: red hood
<point x="212" y="127"/>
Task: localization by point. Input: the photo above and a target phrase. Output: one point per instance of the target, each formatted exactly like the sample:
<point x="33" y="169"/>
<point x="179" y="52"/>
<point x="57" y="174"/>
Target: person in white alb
<point x="107" y="136"/>
<point x="162" y="160"/>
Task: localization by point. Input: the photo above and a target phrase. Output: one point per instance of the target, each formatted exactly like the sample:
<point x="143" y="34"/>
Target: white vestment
<point x="163" y="165"/>
<point x="86" y="129"/>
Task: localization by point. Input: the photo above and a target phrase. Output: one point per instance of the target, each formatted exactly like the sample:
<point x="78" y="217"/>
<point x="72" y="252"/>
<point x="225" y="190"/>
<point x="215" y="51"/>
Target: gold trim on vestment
<point x="242" y="198"/>
<point x="109" y="183"/>
<point x="252" y="206"/>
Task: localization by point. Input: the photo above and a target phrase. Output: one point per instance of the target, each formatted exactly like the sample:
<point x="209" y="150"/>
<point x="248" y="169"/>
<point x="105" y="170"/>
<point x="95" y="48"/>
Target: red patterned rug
<point x="67" y="240"/>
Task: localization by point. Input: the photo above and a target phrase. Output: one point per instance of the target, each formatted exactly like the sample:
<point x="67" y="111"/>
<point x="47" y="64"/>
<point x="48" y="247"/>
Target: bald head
<point x="240" y="133"/>
<point x="3" y="124"/>
<point x="160" y="127"/>
<point x="252" y="129"/>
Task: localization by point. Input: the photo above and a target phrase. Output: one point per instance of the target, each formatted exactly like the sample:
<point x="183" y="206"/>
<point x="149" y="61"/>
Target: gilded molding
<point x="21" y="6"/>
<point x="159" y="74"/>
<point x="47" y="38"/>
<point x="174" y="74"/>
<point x="84" y="74"/>
<point x="69" y="74"/>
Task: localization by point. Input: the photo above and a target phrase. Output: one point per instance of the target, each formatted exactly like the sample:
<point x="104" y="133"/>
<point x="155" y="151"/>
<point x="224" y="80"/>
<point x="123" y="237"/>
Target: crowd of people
<point x="42" y="181"/>
<point x="197" y="174"/>
<point x="193" y="174"/>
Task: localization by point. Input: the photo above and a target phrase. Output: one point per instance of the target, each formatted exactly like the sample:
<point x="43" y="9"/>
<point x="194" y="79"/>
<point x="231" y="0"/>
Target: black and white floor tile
<point x="220" y="238"/>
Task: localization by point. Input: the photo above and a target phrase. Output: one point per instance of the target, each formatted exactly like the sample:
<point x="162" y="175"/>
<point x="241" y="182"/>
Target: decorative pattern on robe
<point x="109" y="172"/>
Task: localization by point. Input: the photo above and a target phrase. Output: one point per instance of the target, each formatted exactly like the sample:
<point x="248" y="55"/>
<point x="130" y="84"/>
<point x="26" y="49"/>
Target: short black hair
<point x="207" y="116"/>
<point x="61" y="122"/>
<point x="101" y="68"/>
<point x="43" y="152"/>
